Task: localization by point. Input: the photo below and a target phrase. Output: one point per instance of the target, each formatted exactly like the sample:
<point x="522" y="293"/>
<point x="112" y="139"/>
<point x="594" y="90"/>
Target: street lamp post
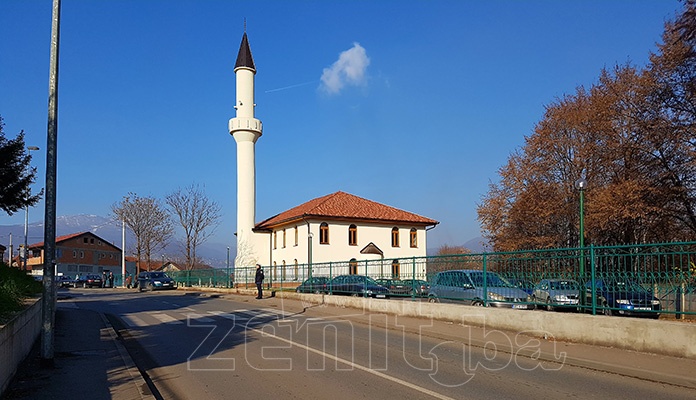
<point x="581" y="185"/>
<point x="228" y="267"/>
<point x="26" y="221"/>
<point x="309" y="255"/>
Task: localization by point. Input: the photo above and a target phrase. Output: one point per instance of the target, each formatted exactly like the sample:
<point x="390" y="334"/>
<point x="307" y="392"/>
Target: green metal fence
<point x="607" y="276"/>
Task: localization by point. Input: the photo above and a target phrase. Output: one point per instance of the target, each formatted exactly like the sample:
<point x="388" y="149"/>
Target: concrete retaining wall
<point x="16" y="341"/>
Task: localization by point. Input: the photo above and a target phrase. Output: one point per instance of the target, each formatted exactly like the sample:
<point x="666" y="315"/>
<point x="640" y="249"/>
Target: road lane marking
<point x="357" y="366"/>
<point x="132" y="320"/>
<point x="167" y="319"/>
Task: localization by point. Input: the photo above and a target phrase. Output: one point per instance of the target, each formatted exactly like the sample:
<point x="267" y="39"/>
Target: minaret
<point x="246" y="130"/>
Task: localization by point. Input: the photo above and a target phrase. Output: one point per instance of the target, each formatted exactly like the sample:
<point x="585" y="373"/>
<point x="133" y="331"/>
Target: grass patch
<point x="15" y="287"/>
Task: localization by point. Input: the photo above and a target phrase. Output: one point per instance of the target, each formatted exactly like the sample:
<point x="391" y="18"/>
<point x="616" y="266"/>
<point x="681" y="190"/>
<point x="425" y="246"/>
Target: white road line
<point x="199" y="318"/>
<point x="357" y="366"/>
<point x="132" y="320"/>
<point x="167" y="319"/>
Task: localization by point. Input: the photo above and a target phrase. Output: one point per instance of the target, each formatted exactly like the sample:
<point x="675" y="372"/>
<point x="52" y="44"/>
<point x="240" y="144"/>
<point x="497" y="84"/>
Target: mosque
<point x="338" y="227"/>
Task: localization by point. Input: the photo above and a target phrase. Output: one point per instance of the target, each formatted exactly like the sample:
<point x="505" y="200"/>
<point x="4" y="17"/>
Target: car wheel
<point x="150" y="287"/>
<point x="549" y="307"/>
<point x="534" y="302"/>
<point x="477" y="303"/>
<point x="608" y="312"/>
<point x="433" y="299"/>
<point x="355" y="294"/>
<point x="317" y="291"/>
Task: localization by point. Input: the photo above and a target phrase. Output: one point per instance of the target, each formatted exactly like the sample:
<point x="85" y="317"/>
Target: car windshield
<point x="492" y="279"/>
<point x="158" y="275"/>
<point x="564" y="285"/>
<point x="623" y="286"/>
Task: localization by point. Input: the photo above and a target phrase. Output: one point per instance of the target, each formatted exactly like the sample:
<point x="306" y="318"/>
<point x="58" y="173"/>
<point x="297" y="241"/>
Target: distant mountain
<point x="213" y="254"/>
<point x="476" y="245"/>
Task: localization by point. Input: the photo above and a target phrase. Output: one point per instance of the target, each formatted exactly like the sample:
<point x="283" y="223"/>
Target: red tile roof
<point x="341" y="205"/>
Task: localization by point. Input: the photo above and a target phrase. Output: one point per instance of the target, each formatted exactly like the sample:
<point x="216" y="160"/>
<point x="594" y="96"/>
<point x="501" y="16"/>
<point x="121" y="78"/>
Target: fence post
<point x="593" y="285"/>
<point x="681" y="298"/>
<point x="485" y="282"/>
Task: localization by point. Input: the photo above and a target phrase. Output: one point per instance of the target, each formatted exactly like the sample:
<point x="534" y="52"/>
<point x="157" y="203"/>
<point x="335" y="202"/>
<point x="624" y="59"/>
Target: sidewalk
<point x="89" y="363"/>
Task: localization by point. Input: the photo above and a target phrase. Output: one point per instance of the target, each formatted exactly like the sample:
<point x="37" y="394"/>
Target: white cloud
<point x="349" y="69"/>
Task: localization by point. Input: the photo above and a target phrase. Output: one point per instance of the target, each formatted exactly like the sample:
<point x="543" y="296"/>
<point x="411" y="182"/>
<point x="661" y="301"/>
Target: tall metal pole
<point x="582" y="231"/>
<point x="49" y="288"/>
<point x="228" y="267"/>
<point x="581" y="185"/>
<point x="123" y="252"/>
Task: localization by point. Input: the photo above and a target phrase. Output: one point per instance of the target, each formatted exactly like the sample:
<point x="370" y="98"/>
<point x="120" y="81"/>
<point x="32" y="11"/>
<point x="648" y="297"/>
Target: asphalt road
<point x="201" y="347"/>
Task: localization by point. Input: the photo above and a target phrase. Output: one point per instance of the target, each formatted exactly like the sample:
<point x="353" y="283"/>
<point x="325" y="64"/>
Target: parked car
<point x="65" y="281"/>
<point x="468" y="286"/>
<point x="315" y="284"/>
<point x="417" y="286"/>
<point x="395" y="286"/>
<point x="555" y="293"/>
<point x="154" y="280"/>
<point x="356" y="285"/>
<point x="620" y="296"/>
<point x="89" y="281"/>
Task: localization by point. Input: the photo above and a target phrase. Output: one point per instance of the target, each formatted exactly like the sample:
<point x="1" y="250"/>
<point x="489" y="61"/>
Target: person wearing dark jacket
<point x="259" y="281"/>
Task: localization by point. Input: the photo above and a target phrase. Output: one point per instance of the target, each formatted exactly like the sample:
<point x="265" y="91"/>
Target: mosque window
<point x="324" y="233"/>
<point x="352" y="235"/>
<point x="395" y="237"/>
<point x="413" y="236"/>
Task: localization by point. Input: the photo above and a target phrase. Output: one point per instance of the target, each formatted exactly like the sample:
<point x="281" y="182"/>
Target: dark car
<point x="65" y="281"/>
<point x="417" y="286"/>
<point x="315" y="284"/>
<point x="618" y="296"/>
<point x="356" y="285"/>
<point x="478" y="289"/>
<point x="89" y="281"/>
<point x="395" y="286"/>
<point x="154" y="280"/>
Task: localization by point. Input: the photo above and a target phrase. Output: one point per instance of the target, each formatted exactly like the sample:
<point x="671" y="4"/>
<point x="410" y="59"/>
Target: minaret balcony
<point x="245" y="124"/>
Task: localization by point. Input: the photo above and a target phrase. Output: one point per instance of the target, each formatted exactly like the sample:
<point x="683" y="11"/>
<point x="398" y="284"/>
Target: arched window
<point x="413" y="237"/>
<point x="352" y="235"/>
<point x="396" y="269"/>
<point x="297" y="236"/>
<point x="297" y="269"/>
<point x="324" y="233"/>
<point x="284" y="238"/>
<point x="282" y="271"/>
<point x="275" y="240"/>
<point x="274" y="272"/>
<point x="353" y="267"/>
<point x="395" y="237"/>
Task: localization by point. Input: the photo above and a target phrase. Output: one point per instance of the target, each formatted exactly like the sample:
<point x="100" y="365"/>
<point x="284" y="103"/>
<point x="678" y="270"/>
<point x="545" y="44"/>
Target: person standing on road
<point x="111" y="279"/>
<point x="259" y="281"/>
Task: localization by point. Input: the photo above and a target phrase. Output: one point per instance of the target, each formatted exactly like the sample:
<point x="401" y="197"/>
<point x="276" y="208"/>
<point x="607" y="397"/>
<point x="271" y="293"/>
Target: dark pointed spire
<point x="244" y="58"/>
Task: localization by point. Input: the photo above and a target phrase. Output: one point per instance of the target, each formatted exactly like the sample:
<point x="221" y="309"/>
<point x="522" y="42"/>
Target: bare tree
<point x="149" y="222"/>
<point x="197" y="215"/>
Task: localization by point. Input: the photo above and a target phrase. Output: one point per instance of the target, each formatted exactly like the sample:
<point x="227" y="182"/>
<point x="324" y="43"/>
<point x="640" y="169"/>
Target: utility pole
<point x="49" y="288"/>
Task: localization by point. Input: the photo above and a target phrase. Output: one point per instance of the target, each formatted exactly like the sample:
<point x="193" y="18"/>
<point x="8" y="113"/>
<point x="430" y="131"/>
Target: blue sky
<point x="414" y="104"/>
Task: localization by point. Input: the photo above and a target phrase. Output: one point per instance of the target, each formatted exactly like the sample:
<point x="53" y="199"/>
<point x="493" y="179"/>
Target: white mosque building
<point x="340" y="228"/>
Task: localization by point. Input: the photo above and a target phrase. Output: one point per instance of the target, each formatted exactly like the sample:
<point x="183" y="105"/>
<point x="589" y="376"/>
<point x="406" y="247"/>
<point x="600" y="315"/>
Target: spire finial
<point x="244" y="24"/>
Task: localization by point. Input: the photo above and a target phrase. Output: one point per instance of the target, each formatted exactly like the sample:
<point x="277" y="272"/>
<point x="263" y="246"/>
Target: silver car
<point x="555" y="293"/>
<point x="478" y="289"/>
